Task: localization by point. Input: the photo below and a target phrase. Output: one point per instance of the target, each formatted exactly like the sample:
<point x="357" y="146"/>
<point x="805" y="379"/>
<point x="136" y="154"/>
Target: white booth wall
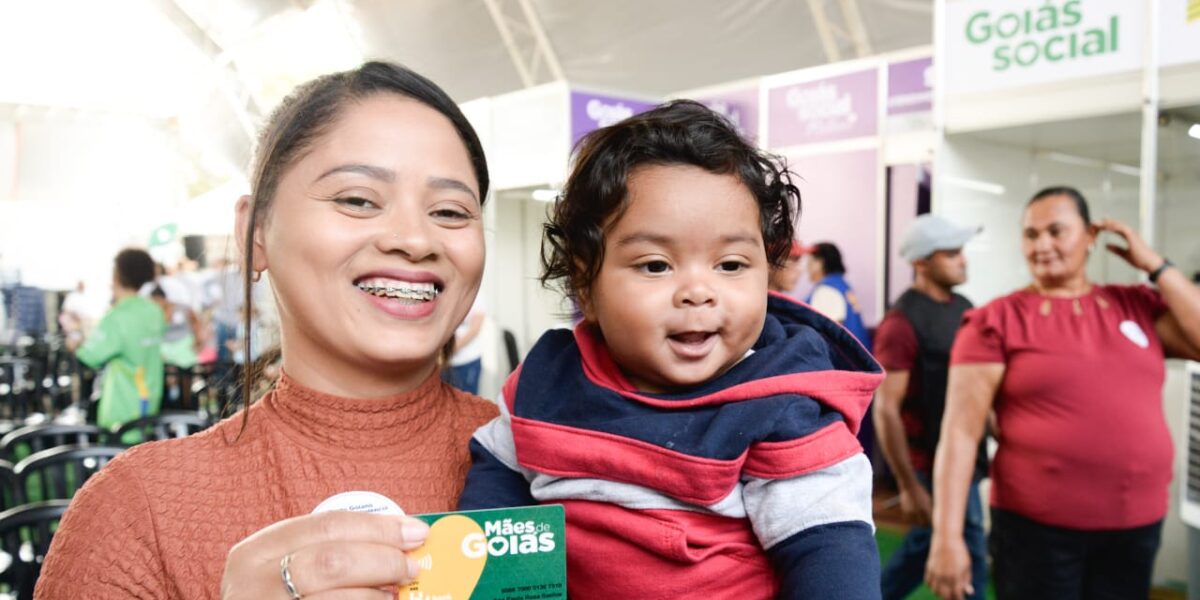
<point x="76" y="187"/>
<point x="988" y="183"/>
<point x="1178" y="231"/>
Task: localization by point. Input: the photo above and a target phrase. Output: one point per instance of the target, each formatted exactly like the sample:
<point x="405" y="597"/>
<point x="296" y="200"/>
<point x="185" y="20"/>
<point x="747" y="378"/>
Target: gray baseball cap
<point x="929" y="233"/>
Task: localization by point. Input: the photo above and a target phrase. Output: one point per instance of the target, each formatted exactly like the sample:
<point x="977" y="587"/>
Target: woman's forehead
<point x="1055" y="209"/>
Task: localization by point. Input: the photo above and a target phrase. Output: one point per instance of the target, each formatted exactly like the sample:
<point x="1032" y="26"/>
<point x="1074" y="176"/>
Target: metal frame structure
<point x="848" y="34"/>
<point x="526" y="41"/>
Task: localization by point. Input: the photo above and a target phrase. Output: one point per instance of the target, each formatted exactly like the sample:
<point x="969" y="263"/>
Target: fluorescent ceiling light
<point x="1093" y="163"/>
<point x="545" y="195"/>
<point x="974" y="184"/>
<point x="1194" y="130"/>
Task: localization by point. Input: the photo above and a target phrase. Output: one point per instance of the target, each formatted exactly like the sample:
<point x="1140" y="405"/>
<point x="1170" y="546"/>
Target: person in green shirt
<point x="127" y="343"/>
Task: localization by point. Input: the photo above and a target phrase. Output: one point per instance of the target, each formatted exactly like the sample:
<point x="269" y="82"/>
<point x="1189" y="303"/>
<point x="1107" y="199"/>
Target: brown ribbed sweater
<point x="158" y="521"/>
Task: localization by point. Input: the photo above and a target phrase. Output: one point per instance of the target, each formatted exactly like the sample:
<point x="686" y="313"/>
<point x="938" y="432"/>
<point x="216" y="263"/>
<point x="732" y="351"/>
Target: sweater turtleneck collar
<point x="352" y="424"/>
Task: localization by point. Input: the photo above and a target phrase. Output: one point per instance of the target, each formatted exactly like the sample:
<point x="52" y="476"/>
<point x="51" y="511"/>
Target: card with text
<point x="499" y="554"/>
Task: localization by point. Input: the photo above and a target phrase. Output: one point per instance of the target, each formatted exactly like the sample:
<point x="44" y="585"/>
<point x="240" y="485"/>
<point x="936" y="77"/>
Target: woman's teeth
<point x="401" y="290"/>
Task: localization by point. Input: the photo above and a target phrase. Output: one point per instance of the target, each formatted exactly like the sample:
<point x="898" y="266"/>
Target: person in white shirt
<point x="467" y="362"/>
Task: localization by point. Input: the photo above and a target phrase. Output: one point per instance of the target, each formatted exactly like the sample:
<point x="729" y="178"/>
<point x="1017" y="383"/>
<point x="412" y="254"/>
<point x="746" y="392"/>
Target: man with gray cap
<point x="913" y="344"/>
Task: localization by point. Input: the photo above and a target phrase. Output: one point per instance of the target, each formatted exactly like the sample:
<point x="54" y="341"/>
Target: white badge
<point x="360" y="501"/>
<point x="1135" y="334"/>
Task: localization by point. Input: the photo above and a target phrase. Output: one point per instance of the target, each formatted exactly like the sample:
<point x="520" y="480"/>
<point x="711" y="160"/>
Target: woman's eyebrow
<point x="372" y="171"/>
<point x="449" y="183"/>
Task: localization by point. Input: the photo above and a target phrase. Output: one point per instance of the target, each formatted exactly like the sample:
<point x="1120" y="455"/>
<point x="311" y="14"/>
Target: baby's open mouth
<point x="692" y="337"/>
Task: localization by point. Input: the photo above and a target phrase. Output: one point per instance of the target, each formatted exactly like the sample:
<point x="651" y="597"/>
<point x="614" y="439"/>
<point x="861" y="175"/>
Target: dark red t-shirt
<point x="1083" y="440"/>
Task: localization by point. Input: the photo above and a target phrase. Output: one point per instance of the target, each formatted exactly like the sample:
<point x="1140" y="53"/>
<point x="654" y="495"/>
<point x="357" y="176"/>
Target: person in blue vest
<point x="832" y="295"/>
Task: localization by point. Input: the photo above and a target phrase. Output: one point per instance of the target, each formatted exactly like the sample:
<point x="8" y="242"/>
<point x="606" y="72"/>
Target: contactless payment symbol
<point x="502" y="554"/>
<point x="456" y="570"/>
<point x="1135" y="334"/>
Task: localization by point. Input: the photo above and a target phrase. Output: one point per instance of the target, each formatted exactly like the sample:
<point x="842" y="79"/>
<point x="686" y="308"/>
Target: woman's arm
<point x="1179" y="327"/>
<point x="198" y="331"/>
<point x="106" y="546"/>
<point x="969" y="396"/>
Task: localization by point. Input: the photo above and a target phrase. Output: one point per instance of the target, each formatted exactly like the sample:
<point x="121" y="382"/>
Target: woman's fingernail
<point x="414" y="569"/>
<point x="414" y="531"/>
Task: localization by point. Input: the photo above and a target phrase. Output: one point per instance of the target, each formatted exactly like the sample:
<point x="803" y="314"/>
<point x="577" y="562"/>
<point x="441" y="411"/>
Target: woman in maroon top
<point x="1074" y="371"/>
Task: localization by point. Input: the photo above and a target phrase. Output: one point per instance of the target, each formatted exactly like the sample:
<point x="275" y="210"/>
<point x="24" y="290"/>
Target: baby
<point x="699" y="430"/>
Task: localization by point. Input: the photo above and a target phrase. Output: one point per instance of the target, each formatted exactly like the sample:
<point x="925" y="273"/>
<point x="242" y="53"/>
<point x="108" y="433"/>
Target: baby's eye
<point x="355" y="203"/>
<point x="654" y="266"/>
<point x="731" y="266"/>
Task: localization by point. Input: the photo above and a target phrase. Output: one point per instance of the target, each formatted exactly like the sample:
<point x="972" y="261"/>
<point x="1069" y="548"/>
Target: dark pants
<point x="464" y="377"/>
<point x="1033" y="560"/>
<point x="905" y="570"/>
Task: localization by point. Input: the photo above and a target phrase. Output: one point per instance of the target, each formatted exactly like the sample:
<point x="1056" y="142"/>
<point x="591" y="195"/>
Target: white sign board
<point x="1001" y="44"/>
<point x="1179" y="32"/>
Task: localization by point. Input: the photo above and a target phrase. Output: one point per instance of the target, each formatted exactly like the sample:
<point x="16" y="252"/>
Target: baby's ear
<point x="584" y="301"/>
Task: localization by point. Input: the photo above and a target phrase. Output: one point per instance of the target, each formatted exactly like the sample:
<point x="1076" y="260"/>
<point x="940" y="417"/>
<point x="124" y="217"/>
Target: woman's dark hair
<point x="830" y="257"/>
<point x="133" y="268"/>
<point x="157" y="292"/>
<point x="1081" y="205"/>
<point x="681" y="132"/>
<point x="306" y="114"/>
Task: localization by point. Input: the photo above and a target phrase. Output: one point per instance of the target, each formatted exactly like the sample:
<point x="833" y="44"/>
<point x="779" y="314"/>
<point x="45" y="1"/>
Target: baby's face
<point x="682" y="293"/>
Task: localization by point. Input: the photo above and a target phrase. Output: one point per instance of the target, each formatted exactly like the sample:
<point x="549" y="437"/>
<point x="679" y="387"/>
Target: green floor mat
<point x="888" y="540"/>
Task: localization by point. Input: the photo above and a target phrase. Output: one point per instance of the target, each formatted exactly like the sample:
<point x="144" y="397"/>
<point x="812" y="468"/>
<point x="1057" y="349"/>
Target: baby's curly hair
<point x="680" y="132"/>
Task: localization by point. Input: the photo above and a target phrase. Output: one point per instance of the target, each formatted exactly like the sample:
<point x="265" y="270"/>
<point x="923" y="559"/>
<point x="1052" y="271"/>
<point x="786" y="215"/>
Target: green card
<point x="499" y="554"/>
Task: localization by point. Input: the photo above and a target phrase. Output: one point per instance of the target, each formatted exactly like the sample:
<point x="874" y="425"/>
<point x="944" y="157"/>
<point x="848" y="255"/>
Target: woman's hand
<point x="332" y="555"/>
<point x="948" y="570"/>
<point x="1135" y="252"/>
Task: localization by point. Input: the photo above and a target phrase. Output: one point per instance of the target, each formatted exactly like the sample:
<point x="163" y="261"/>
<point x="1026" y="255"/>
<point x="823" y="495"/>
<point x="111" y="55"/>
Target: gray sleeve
<point x="781" y="508"/>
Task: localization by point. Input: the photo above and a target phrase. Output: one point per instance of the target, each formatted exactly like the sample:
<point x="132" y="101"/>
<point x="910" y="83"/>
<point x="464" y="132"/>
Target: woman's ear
<point x="244" y="218"/>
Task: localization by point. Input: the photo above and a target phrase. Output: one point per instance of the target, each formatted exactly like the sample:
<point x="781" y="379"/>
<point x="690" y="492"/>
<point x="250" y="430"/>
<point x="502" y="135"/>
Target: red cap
<point x="799" y="249"/>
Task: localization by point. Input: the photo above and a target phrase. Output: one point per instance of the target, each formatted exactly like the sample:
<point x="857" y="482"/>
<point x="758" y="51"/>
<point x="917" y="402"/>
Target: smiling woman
<point x="365" y="213"/>
<point x="1065" y="363"/>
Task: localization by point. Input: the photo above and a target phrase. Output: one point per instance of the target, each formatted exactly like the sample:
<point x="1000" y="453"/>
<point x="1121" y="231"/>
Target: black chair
<point x="23" y="441"/>
<point x="184" y="386"/>
<point x="11" y="494"/>
<point x="510" y="348"/>
<point x="56" y="474"/>
<point x="25" y="534"/>
<point x="163" y="426"/>
<point x="20" y="392"/>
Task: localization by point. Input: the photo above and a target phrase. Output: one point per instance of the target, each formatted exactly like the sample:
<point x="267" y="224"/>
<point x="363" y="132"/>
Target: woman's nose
<point x="407" y="234"/>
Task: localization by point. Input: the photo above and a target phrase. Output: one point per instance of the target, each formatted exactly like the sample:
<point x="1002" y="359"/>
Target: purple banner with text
<point x="593" y="111"/>
<point x="825" y="110"/>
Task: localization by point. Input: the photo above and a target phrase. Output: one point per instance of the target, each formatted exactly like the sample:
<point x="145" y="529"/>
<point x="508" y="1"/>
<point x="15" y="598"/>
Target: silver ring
<point x="288" y="586"/>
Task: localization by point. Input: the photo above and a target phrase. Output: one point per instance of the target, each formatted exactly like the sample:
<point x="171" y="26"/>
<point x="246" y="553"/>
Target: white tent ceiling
<point x="146" y="55"/>
<point x="209" y="69"/>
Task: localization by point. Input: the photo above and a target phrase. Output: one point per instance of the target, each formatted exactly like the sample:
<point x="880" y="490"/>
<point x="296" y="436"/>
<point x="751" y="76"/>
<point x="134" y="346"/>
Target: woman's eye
<point x="655" y="266"/>
<point x="731" y="266"/>
<point x="451" y="214"/>
<point x="356" y="203"/>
